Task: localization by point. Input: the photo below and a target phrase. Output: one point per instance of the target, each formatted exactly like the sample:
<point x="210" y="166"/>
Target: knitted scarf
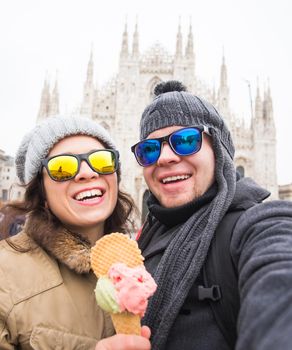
<point x="185" y="255"/>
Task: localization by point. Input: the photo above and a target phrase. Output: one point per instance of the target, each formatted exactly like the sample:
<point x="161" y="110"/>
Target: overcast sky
<point x="53" y="38"/>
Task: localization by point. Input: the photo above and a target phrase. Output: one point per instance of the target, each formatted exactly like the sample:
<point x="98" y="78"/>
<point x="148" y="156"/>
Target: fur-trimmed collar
<point x="67" y="247"/>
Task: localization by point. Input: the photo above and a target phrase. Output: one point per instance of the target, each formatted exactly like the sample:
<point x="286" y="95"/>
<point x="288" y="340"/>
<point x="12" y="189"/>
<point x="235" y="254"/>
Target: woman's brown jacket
<point x="47" y="292"/>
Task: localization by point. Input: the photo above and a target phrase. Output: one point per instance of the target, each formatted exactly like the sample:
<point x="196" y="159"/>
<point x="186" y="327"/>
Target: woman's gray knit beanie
<point x="174" y="106"/>
<point x="36" y="144"/>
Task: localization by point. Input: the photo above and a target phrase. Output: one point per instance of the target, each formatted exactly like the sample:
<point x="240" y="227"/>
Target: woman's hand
<point x="126" y="342"/>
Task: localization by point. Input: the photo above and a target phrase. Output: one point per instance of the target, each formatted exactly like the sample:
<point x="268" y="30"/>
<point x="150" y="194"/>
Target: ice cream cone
<point x="123" y="285"/>
<point x="113" y="248"/>
<point x="126" y="323"/>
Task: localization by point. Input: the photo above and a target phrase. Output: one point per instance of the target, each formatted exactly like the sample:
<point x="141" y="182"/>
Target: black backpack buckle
<point x="213" y="293"/>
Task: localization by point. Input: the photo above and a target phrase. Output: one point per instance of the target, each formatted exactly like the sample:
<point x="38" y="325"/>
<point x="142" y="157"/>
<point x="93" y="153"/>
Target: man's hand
<point x="126" y="342"/>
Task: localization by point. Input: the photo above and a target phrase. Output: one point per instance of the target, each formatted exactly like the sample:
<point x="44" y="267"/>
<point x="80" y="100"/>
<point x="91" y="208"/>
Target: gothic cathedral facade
<point x="119" y="104"/>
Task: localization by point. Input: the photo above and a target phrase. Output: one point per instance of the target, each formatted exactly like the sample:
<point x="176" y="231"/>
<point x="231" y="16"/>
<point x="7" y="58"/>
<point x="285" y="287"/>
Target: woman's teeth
<point x="88" y="194"/>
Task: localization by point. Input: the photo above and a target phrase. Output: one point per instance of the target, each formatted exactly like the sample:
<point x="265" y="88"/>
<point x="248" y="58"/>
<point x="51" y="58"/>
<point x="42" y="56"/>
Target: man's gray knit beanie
<point x="36" y="144"/>
<point x="174" y="106"/>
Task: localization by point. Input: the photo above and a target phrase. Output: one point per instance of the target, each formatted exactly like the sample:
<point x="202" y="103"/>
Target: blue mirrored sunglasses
<point x="183" y="142"/>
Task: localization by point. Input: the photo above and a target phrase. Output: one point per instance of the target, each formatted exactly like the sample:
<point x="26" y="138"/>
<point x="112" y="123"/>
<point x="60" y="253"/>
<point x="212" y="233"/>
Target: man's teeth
<point x="88" y="194"/>
<point x="175" y="178"/>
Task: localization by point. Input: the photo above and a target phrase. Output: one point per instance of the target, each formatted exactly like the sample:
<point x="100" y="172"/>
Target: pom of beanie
<point x="168" y="86"/>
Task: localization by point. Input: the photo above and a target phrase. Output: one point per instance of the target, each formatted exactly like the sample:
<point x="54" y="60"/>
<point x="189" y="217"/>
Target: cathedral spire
<point x="178" y="51"/>
<point x="223" y="93"/>
<point x="125" y="48"/>
<point x="190" y="44"/>
<point x="88" y="89"/>
<point x="223" y="73"/>
<point x="45" y="101"/>
<point x="268" y="103"/>
<point x="269" y="90"/>
<point x="258" y="102"/>
<point x="213" y="94"/>
<point x="135" y="48"/>
<point x="54" y="103"/>
<point x="90" y="68"/>
<point x="264" y="139"/>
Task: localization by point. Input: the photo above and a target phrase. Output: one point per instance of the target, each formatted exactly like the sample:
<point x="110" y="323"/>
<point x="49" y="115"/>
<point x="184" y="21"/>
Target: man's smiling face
<point x="176" y="180"/>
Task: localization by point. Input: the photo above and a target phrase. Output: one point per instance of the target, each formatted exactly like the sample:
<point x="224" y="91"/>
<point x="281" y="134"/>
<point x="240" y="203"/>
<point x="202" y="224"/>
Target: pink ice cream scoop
<point x="133" y="286"/>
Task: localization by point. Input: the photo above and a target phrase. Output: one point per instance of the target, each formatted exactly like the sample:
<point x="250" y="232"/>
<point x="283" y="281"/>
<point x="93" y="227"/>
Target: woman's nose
<point x="167" y="155"/>
<point x="85" y="172"/>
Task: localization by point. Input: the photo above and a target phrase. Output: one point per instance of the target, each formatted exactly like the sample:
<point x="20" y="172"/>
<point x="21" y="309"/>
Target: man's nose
<point x="167" y="155"/>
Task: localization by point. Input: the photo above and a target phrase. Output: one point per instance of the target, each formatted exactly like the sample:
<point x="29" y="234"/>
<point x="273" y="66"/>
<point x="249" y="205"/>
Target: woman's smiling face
<point x="84" y="203"/>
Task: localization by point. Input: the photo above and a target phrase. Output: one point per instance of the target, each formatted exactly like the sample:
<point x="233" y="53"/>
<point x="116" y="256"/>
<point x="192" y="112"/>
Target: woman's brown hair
<point x="34" y="202"/>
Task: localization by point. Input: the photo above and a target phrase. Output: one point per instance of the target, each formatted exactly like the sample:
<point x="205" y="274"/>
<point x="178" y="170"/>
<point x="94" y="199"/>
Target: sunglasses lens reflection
<point x="148" y="152"/>
<point x="63" y="168"/>
<point x="186" y="142"/>
<point x="103" y="162"/>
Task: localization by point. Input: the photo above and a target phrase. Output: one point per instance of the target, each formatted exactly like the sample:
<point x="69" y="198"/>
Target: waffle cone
<point x="108" y="250"/>
<point x="114" y="248"/>
<point x="126" y="323"/>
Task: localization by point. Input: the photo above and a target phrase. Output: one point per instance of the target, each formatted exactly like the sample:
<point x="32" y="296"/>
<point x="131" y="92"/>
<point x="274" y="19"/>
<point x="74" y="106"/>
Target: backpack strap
<point x="221" y="279"/>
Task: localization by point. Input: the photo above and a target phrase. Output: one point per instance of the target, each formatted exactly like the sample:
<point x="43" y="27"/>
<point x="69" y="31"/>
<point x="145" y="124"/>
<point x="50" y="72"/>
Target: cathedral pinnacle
<point x="125" y="48"/>
<point x="268" y="103"/>
<point x="45" y="101"/>
<point x="135" y="48"/>
<point x="258" y="102"/>
<point x="178" y="52"/>
<point x="223" y="75"/>
<point x="49" y="104"/>
<point x="90" y="69"/>
<point x="88" y="88"/>
<point x="54" y="102"/>
<point x="190" y="44"/>
<point x="223" y="93"/>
